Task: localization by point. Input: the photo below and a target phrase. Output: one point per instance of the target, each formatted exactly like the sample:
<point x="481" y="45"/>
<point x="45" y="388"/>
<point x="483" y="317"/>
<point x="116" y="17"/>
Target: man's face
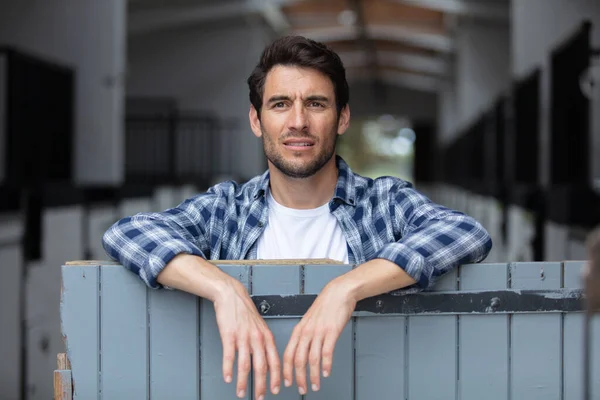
<point x="299" y="124"/>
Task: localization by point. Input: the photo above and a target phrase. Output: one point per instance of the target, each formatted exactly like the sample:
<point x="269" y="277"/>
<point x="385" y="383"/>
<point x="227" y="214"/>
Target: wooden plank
<point x="62" y="361"/>
<point x="432" y="342"/>
<point x="380" y="356"/>
<point x="573" y="339"/>
<point x="339" y="384"/>
<point x="536" y="339"/>
<point x="483" y="339"/>
<point x="79" y="309"/>
<point x="574" y="344"/>
<point x="63" y="385"/>
<point x="11" y="314"/>
<point x="278" y="279"/>
<point x="174" y="345"/>
<point x="212" y="385"/>
<point x="63" y="389"/>
<point x="124" y="334"/>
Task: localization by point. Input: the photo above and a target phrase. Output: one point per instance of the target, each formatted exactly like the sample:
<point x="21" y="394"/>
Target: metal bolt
<point x="264" y="307"/>
<point x="379" y="304"/>
<point x="494" y="303"/>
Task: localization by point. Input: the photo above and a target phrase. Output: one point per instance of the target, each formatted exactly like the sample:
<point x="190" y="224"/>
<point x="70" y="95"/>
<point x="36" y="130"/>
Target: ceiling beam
<point x="413" y="36"/>
<point x="369" y="52"/>
<point x="147" y="21"/>
<point x="417" y="63"/>
<point x="495" y="10"/>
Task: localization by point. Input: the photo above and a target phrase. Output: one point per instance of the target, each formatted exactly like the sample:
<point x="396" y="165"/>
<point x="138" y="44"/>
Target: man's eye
<point x="316" y="104"/>
<point x="279" y="105"/>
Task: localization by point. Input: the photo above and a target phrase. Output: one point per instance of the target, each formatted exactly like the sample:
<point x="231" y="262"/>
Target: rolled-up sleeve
<point x="433" y="239"/>
<point x="146" y="242"/>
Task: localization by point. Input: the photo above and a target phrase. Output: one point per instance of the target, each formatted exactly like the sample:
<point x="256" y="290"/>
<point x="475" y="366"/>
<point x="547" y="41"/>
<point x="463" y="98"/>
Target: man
<point x="308" y="204"/>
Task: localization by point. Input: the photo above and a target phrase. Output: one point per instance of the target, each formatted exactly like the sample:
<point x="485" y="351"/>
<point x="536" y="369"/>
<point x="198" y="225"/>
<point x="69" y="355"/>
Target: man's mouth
<point x="298" y="143"/>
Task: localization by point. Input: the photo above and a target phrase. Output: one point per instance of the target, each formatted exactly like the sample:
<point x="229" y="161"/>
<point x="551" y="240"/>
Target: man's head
<point x="299" y="96"/>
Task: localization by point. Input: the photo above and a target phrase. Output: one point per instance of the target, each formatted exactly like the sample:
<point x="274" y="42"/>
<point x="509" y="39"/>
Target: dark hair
<point x="301" y="52"/>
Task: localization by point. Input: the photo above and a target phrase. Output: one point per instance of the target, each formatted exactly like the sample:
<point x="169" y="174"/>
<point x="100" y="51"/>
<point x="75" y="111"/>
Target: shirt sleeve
<point x="145" y="242"/>
<point x="433" y="239"/>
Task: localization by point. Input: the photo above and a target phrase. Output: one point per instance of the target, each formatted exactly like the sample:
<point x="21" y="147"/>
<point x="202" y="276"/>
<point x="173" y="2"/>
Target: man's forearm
<point x="373" y="278"/>
<point x="195" y="275"/>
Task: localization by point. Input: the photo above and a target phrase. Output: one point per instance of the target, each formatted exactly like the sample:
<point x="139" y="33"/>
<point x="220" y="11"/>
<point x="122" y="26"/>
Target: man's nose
<point x="298" y="120"/>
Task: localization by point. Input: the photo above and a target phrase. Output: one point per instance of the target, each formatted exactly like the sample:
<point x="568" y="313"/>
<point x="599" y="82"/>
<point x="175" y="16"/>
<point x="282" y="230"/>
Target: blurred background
<point x="112" y="107"/>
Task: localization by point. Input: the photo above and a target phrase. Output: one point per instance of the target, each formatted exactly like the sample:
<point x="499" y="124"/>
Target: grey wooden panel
<point x="174" y="345"/>
<point x="432" y="342"/>
<point x="483" y="339"/>
<point x="536" y="339"/>
<point x="212" y="384"/>
<point x="80" y="322"/>
<point x="339" y="384"/>
<point x="275" y="279"/>
<point x="380" y="356"/>
<point x="448" y="281"/>
<point x="11" y="276"/>
<point x="124" y="334"/>
<point x="574" y="344"/>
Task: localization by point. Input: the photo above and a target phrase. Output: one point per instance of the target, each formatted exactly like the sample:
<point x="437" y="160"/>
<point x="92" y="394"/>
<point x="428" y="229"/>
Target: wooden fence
<point x="486" y="331"/>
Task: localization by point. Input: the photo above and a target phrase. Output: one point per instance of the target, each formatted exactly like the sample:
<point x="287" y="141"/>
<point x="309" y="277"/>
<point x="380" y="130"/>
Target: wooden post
<point x="63" y="386"/>
<point x="591" y="276"/>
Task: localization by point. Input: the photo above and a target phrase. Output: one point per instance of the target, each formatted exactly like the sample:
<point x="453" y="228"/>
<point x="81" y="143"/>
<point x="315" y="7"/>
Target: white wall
<point x="481" y="73"/>
<point x="89" y="36"/>
<point x="203" y="68"/>
<point x="538" y="26"/>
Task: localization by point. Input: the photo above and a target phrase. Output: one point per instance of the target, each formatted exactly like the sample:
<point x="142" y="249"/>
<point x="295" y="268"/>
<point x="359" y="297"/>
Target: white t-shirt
<point x="293" y="234"/>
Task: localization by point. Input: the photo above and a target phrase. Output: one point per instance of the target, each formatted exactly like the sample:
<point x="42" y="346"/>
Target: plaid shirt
<point x="382" y="218"/>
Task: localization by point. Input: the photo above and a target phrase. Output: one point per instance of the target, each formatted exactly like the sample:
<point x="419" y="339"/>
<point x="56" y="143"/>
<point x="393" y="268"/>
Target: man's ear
<point x="344" y="120"/>
<point x="254" y="121"/>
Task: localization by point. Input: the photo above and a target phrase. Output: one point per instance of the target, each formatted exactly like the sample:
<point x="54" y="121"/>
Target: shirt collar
<point x="344" y="189"/>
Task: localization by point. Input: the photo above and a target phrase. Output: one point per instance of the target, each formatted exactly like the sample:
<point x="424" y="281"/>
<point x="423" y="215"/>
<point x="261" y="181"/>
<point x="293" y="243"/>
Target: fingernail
<point x="261" y="397"/>
<point x="325" y="374"/>
<point x="315" y="387"/>
<point x="228" y="379"/>
<point x="276" y="390"/>
<point x="241" y="394"/>
<point x="287" y="383"/>
<point x="301" y="390"/>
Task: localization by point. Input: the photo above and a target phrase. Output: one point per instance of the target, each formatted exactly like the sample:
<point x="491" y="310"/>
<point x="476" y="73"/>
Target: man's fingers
<point x="274" y="363"/>
<point x="228" y="356"/>
<point x="260" y="365"/>
<point x="243" y="368"/>
<point x="314" y="361"/>
<point x="300" y="360"/>
<point x="327" y="353"/>
<point x="288" y="358"/>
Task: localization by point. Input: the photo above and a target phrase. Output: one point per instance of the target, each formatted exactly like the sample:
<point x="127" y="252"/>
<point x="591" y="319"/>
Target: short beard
<point x="292" y="170"/>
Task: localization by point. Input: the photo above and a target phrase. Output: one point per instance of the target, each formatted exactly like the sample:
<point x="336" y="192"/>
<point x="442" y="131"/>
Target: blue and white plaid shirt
<point x="382" y="218"/>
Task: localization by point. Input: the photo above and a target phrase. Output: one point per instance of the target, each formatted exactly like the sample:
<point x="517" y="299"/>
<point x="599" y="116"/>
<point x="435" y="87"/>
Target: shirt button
<point x="260" y="224"/>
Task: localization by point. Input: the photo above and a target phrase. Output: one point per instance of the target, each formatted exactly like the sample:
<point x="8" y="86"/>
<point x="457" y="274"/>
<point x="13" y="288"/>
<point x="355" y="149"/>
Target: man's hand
<point x="244" y="330"/>
<point x="315" y="336"/>
<point x="240" y="326"/>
